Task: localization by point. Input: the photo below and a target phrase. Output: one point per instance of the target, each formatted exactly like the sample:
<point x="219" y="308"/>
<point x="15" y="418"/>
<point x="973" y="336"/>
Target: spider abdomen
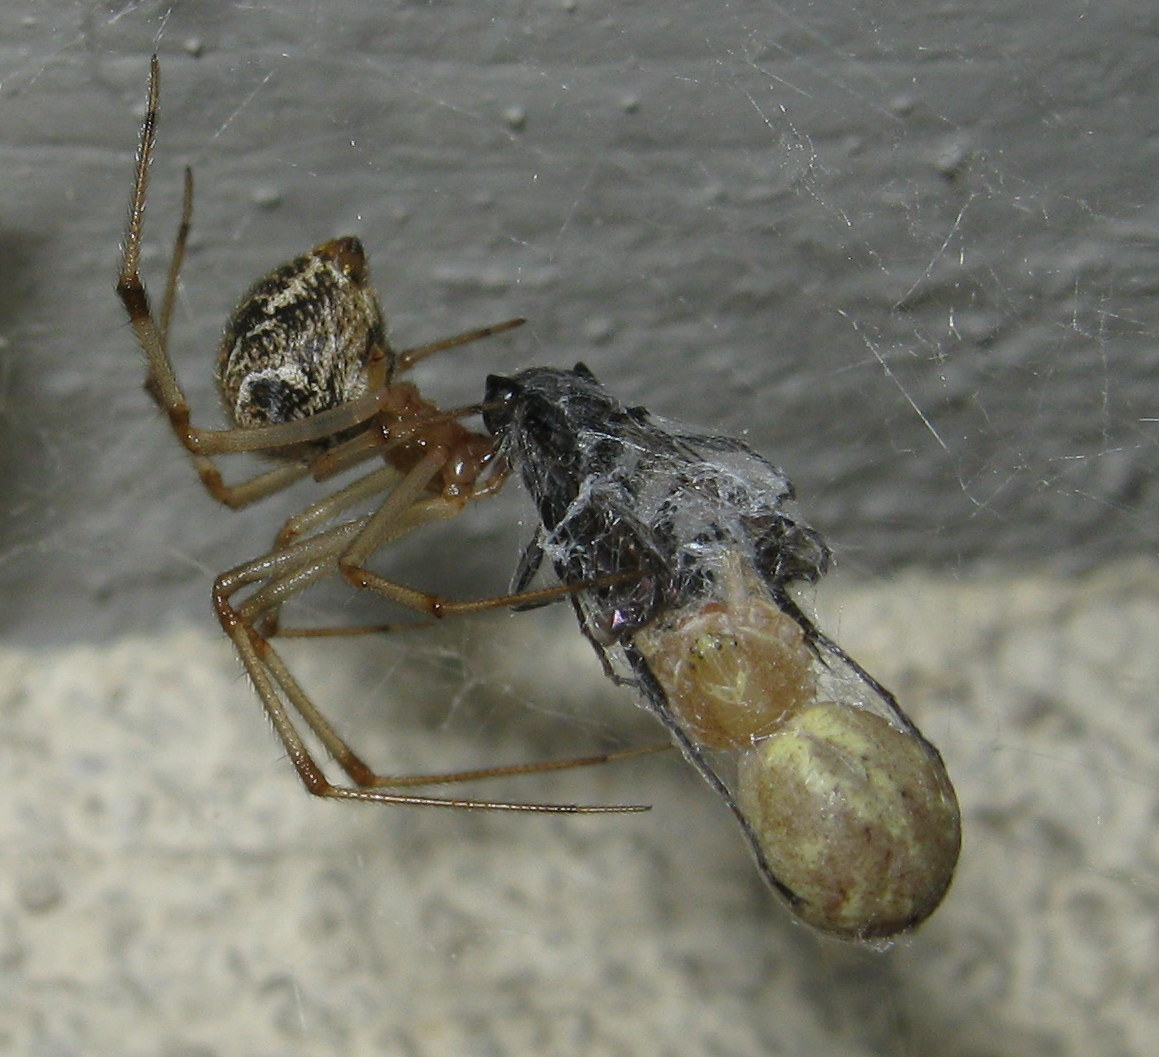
<point x="304" y="339"/>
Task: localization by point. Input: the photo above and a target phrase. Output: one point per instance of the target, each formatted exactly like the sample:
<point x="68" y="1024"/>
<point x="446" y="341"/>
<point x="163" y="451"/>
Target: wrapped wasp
<point x="681" y="549"/>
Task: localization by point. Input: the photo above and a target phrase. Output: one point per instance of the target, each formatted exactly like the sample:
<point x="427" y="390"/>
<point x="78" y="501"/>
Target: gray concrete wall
<point x="908" y="250"/>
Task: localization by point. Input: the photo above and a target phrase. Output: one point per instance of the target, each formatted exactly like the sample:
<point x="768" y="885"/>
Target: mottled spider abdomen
<point x="304" y="339"/>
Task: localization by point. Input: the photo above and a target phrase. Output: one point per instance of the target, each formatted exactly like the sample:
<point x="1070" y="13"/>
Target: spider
<point x="310" y="380"/>
<point x="683" y="547"/>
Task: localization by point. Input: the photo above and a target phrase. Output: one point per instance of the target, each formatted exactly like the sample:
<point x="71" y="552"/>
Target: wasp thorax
<point x="305" y="339"/>
<point x="733" y="671"/>
<point x="855" y="817"/>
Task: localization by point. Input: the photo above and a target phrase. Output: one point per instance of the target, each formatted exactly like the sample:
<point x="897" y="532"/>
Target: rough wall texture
<point x="910" y="249"/>
<point x="167" y="888"/>
<point x="911" y="252"/>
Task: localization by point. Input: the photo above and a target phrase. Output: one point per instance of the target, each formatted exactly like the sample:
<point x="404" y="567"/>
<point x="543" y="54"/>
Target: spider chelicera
<point x="310" y="380"/>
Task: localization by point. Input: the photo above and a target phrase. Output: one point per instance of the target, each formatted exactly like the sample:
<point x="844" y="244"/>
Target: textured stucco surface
<point x="911" y="249"/>
<point x="168" y="888"/>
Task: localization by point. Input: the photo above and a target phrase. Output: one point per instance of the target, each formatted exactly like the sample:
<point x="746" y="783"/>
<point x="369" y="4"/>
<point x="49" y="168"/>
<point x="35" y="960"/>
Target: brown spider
<point x="310" y="381"/>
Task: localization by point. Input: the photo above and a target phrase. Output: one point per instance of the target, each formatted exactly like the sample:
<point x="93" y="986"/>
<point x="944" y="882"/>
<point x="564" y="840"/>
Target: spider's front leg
<point x="418" y="500"/>
<point x="288" y="571"/>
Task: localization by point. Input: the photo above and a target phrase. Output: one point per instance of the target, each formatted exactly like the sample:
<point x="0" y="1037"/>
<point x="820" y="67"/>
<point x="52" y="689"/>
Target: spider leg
<point x="365" y="778"/>
<point x="394" y="518"/>
<point x="267" y="600"/>
<point x="178" y="258"/>
<point x="286" y="573"/>
<point x="272" y="680"/>
<point x="161" y="379"/>
<point x="317" y="514"/>
<point x="407" y="358"/>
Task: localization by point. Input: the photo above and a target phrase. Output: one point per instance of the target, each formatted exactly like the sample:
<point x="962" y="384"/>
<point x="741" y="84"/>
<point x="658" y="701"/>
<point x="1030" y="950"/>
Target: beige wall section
<point x="169" y="888"/>
<point x="911" y="251"/>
